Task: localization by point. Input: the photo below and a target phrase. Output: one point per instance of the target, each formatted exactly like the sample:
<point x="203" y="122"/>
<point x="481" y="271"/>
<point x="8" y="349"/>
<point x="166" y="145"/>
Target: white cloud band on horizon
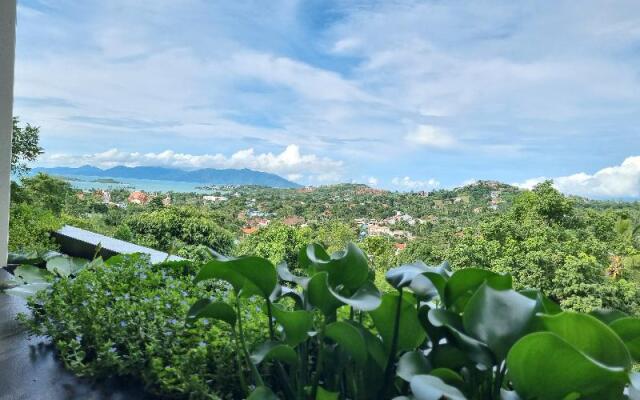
<point x="619" y="181"/>
<point x="290" y="163"/>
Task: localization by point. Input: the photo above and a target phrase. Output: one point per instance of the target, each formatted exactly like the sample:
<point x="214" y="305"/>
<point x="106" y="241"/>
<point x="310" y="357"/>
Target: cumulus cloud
<point x="620" y="181"/>
<point x="431" y="136"/>
<point x="407" y="183"/>
<point x="372" y="181"/>
<point x="290" y="162"/>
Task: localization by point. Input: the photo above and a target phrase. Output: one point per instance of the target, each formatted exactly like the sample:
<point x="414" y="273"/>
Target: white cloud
<point x="431" y="136"/>
<point x="620" y="181"/>
<point x="372" y="181"/>
<point x="290" y="162"/>
<point x="407" y="183"/>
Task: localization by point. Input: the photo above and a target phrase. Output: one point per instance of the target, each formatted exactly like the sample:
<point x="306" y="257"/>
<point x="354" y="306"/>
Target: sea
<point x="86" y="182"/>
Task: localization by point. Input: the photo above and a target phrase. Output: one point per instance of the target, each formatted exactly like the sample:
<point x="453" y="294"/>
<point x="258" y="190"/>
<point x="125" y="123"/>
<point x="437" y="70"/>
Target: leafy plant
<point x="125" y="318"/>
<point x="439" y="334"/>
<point x="35" y="272"/>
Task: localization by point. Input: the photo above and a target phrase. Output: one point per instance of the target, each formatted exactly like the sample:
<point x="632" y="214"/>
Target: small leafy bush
<point x="438" y="335"/>
<point x="126" y="318"/>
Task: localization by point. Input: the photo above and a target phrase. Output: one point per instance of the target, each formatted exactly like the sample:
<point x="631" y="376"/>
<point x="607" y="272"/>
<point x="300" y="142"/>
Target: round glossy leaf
<point x="366" y="298"/>
<point x="607" y="315"/>
<point x="320" y="296"/>
<point x="65" y="266"/>
<point x="28" y="257"/>
<point x="277" y="351"/>
<point x="26" y="274"/>
<point x="313" y="256"/>
<point x="26" y="291"/>
<point x="463" y="284"/>
<point x="542" y="365"/>
<point x="350" y="338"/>
<point x="205" y="308"/>
<point x="410" y="334"/>
<point x="296" y="324"/>
<point x="544" y="304"/>
<point x="591" y="337"/>
<point x="400" y="277"/>
<point x="412" y="363"/>
<point x="498" y="318"/>
<point x="348" y="268"/>
<point x="217" y="269"/>
<point x="426" y="387"/>
<point x="452" y="322"/>
<point x="286" y="275"/>
<point x="428" y="285"/>
<point x="629" y="331"/>
<point x="262" y="393"/>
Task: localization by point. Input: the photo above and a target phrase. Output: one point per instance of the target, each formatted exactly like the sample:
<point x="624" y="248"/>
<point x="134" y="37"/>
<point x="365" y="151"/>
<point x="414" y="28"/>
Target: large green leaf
<point x="426" y="387"/>
<point x="313" y="257"/>
<point x="348" y="268"/>
<point x="286" y="275"/>
<point x="262" y="393"/>
<point x="366" y="298"/>
<point x="544" y="304"/>
<point x="607" y="315"/>
<point x="324" y="394"/>
<point x="320" y="296"/>
<point x="26" y="291"/>
<point x="272" y="350"/>
<point x="65" y="266"/>
<point x="428" y="285"/>
<point x="27" y="257"/>
<point x="26" y="274"/>
<point x="498" y="318"/>
<point x="205" y="308"/>
<point x="452" y="322"/>
<point x="247" y="275"/>
<point x="629" y="331"/>
<point x="591" y="337"/>
<point x="296" y="324"/>
<point x="463" y="284"/>
<point x="412" y="363"/>
<point x="543" y="365"/>
<point x="222" y="270"/>
<point x="410" y="334"/>
<point x="400" y="277"/>
<point x="349" y="338"/>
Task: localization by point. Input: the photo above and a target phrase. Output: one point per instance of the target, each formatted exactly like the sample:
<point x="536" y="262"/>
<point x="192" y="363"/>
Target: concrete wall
<point x="7" y="58"/>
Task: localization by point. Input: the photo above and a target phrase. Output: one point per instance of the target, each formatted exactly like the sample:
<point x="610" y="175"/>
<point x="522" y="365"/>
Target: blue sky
<point x="405" y="95"/>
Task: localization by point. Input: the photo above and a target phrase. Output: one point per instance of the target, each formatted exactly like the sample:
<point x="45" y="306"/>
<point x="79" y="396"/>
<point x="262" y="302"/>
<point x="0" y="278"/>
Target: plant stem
<point x="254" y="370"/>
<point x="394" y="346"/>
<point x="319" y="361"/>
<point x="282" y="374"/>
<point x="243" y="382"/>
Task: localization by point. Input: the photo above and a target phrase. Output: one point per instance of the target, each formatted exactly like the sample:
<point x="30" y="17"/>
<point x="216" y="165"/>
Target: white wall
<point x="7" y="57"/>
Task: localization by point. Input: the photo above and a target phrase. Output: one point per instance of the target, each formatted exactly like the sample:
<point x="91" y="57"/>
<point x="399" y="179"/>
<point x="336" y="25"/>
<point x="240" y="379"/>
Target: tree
<point x="24" y="146"/>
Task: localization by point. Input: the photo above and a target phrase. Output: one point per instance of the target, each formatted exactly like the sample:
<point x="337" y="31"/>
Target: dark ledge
<point x="82" y="243"/>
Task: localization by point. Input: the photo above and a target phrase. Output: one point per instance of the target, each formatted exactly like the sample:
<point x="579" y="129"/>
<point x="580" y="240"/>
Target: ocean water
<point x="148" y="185"/>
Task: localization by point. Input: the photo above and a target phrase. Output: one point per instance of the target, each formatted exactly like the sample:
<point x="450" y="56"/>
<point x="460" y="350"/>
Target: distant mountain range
<point x="208" y="176"/>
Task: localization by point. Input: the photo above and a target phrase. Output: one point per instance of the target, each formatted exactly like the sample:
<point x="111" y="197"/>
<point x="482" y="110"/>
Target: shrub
<point x="127" y="318"/>
<point x="30" y="228"/>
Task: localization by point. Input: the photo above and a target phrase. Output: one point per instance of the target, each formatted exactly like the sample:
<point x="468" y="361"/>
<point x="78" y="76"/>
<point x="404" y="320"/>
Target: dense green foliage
<point x="185" y="231"/>
<point x="24" y="146"/>
<point x="462" y="335"/>
<point x="127" y="318"/>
